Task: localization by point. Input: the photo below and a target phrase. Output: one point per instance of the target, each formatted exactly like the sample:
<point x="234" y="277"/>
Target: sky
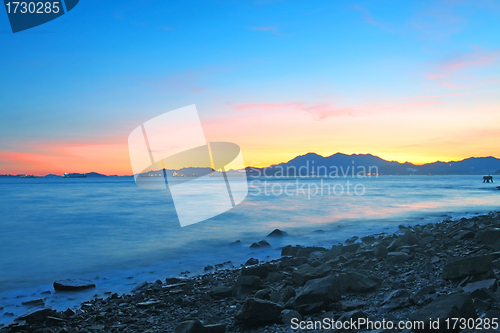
<point x="413" y="81"/>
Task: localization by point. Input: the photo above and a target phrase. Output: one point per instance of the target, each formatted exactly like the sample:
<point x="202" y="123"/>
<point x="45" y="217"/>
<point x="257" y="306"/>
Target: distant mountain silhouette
<point x="51" y="175"/>
<point x="343" y="164"/>
<point x="314" y="164"/>
<point x="94" y="174"/>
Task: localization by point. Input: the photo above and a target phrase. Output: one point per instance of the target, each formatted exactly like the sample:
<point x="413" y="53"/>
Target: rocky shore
<point x="423" y="273"/>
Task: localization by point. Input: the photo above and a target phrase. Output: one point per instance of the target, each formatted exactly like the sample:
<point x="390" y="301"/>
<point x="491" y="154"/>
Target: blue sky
<point x="406" y="80"/>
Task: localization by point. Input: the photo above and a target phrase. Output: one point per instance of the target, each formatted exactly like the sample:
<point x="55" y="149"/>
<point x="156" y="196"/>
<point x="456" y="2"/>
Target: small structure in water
<point x="487" y="179"/>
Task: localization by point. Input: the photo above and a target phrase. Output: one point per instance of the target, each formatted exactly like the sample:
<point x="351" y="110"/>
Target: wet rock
<point x="290" y="250"/>
<point x="73" y="284"/>
<point x="353" y="316"/>
<point x="426" y="240"/>
<point x="69" y="312"/>
<point x="444" y="307"/>
<point x="286" y="294"/>
<point x="252" y="261"/>
<point x="287" y="315"/>
<point x="215" y="328"/>
<point x="396" y="299"/>
<point x="263" y="294"/>
<point x="418" y="295"/>
<point x="148" y="304"/>
<point x="190" y="326"/>
<point x="36" y="316"/>
<point x="262" y="244"/>
<point x="245" y="285"/>
<point x="219" y="292"/>
<point x="277" y="233"/>
<point x="274" y="277"/>
<point x="466" y="234"/>
<point x="409" y="238"/>
<point x="480" y="305"/>
<point x="351" y="240"/>
<point x="333" y="253"/>
<point x="397" y="256"/>
<point x="492" y="314"/>
<point x="235" y="243"/>
<point x="368" y="239"/>
<point x="351" y="248"/>
<point x="472" y="265"/>
<point x="351" y="305"/>
<point x="331" y="287"/>
<point x="261" y="271"/>
<point x="176" y="280"/>
<point x="488" y="236"/>
<point x="305" y="273"/>
<point x="35" y="302"/>
<point x="319" y="290"/>
<point x="357" y="281"/>
<point x="485" y="295"/>
<point x="258" y="312"/>
<point x="473" y="286"/>
<point x="142" y="286"/>
<point x="306" y="251"/>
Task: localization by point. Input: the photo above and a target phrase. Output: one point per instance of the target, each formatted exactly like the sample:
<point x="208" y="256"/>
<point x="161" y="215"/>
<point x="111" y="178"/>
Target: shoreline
<point x="384" y="276"/>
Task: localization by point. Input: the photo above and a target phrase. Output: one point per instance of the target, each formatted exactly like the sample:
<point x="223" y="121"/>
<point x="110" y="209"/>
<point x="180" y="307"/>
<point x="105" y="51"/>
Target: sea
<point x="118" y="234"/>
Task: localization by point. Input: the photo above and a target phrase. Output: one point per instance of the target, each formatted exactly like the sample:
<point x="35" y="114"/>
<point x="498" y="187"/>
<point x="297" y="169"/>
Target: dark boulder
<point x="255" y="312"/>
<point x="219" y="292"/>
<point x="444" y="307"/>
<point x="330" y="288"/>
<point x="261" y="244"/>
<point x="73" y="284"/>
<point x="261" y="271"/>
<point x="488" y="236"/>
<point x="37" y="316"/>
<point x="252" y="261"/>
<point x="472" y="265"/>
<point x="473" y="286"/>
<point x="190" y="326"/>
<point x="277" y="233"/>
<point x="245" y="285"/>
<point x="306" y="272"/>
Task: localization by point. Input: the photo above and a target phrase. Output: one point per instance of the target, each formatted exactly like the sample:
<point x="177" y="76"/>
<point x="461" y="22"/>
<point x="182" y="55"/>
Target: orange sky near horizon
<point x="271" y="134"/>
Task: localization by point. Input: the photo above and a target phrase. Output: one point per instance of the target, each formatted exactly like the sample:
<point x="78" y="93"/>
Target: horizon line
<point x="247" y="166"/>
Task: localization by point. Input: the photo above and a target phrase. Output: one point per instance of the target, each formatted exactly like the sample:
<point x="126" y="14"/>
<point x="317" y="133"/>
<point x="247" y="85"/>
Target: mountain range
<point x="313" y="163"/>
<point x="343" y="164"/>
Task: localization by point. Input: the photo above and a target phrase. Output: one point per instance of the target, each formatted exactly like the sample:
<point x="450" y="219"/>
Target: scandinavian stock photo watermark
<point x="309" y="180"/>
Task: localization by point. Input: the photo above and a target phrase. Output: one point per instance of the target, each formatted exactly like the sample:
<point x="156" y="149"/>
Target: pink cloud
<point x="445" y="95"/>
<point x="451" y="72"/>
<point x="368" y="18"/>
<point x="323" y="111"/>
<point x="268" y="106"/>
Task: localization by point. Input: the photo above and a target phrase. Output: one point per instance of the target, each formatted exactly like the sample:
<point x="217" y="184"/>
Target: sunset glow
<point x="413" y="82"/>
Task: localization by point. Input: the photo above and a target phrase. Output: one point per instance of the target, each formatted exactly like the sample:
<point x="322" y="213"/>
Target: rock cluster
<point x="440" y="271"/>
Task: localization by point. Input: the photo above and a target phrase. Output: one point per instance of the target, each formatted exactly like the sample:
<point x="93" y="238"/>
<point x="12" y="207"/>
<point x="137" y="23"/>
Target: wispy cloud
<point x="438" y="22"/>
<point x="320" y="111"/>
<point x="326" y="110"/>
<point x="368" y="18"/>
<point x="271" y="29"/>
<point x="462" y="71"/>
<point x="179" y="82"/>
<point x="165" y="28"/>
<point x="444" y="95"/>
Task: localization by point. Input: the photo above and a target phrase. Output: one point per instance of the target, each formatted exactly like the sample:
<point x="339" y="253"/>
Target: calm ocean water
<point x="118" y="234"/>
